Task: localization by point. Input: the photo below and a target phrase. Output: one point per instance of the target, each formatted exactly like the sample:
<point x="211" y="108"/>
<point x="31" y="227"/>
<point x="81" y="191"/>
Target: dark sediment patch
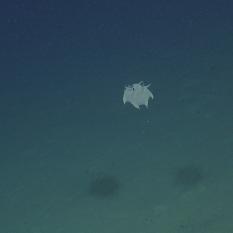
<point x="104" y="186"/>
<point x="189" y="176"/>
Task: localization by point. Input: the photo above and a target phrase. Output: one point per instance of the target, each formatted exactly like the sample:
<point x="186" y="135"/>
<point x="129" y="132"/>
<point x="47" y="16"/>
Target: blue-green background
<point x="63" y="69"/>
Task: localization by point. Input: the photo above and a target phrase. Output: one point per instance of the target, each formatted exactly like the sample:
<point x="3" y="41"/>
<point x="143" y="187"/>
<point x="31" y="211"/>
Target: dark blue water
<point x="74" y="158"/>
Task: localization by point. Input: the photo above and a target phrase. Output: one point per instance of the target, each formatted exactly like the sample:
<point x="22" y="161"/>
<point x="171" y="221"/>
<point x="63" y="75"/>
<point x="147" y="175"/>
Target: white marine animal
<point x="137" y="94"/>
